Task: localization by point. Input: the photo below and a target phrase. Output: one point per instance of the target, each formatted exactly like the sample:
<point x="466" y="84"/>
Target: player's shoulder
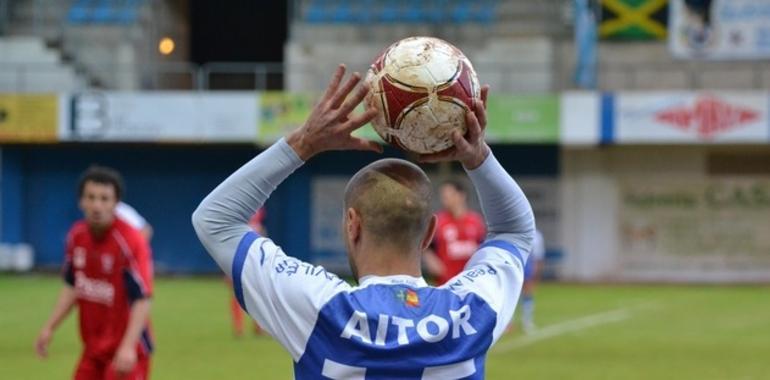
<point x="475" y="217"/>
<point x="443" y="217"/>
<point x="123" y="226"/>
<point x="127" y="232"/>
<point x="78" y="229"/>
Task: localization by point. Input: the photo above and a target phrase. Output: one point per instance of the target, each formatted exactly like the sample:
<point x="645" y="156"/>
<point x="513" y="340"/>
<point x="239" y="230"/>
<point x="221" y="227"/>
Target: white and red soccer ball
<point x="422" y="88"/>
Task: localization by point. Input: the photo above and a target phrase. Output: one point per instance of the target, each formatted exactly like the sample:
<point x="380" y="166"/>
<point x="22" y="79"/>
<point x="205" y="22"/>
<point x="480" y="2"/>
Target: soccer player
<point x="459" y="233"/>
<point x="531" y="276"/>
<point x="392" y="325"/>
<point x="129" y="215"/>
<point x="108" y="276"/>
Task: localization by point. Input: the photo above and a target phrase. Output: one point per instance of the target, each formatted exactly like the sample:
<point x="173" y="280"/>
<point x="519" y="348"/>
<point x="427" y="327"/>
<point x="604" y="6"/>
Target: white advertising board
<point x="690" y="117"/>
<point x="580" y="118"/>
<point x="163" y="116"/>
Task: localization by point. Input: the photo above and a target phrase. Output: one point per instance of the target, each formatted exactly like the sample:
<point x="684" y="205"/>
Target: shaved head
<point x="393" y="198"/>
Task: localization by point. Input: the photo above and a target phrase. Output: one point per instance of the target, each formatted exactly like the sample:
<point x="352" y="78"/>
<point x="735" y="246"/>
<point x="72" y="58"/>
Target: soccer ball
<point x="422" y="88"/>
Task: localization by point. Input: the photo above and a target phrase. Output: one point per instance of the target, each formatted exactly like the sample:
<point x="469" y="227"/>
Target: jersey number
<point x="338" y="371"/>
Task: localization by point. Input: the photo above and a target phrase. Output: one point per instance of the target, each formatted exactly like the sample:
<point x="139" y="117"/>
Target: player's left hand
<point x="42" y="342"/>
<point x="124" y="360"/>
<point x="470" y="149"/>
<point x="330" y="124"/>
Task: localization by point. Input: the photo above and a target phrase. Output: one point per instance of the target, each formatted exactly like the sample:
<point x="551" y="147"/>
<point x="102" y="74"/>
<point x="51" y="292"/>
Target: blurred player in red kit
<point x="108" y="275"/>
<point x="459" y="232"/>
<point x="256" y="224"/>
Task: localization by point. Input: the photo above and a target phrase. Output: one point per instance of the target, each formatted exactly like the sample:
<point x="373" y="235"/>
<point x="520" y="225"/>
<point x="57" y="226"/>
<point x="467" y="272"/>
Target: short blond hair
<point x="393" y="198"/>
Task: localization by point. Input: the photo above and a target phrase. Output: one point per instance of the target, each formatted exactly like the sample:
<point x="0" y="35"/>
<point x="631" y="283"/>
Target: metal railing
<point x="4" y="16"/>
<point x="506" y="77"/>
<point x="25" y="77"/>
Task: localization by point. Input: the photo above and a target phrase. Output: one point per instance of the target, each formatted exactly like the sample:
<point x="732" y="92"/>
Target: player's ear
<point x="428" y="238"/>
<point x="353" y="225"/>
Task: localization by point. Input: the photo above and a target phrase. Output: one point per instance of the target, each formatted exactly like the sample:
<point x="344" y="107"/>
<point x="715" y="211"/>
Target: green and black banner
<point x="633" y="19"/>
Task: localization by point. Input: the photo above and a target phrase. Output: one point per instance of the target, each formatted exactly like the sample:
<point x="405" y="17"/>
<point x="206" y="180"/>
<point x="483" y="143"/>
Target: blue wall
<point x="165" y="183"/>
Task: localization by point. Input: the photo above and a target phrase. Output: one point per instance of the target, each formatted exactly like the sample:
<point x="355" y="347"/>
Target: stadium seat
<point x="315" y="13"/>
<point x="343" y="12"/>
<point x="388" y="11"/>
<point x="484" y="11"/>
<point x="436" y="10"/>
<point x="79" y="12"/>
<point x="103" y="12"/>
<point x="399" y="11"/>
<point x="412" y="11"/>
<point x="129" y="12"/>
<point x="461" y="12"/>
<point x="366" y="11"/>
<point x="325" y="11"/>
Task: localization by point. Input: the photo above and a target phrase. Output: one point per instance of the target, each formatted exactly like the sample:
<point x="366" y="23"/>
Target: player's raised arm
<point x="282" y="293"/>
<point x="221" y="220"/>
<point x="506" y="209"/>
<point x="496" y="271"/>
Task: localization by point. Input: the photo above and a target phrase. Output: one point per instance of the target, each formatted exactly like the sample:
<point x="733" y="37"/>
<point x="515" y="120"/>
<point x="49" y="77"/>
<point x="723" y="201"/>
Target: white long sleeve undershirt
<point x="222" y="218"/>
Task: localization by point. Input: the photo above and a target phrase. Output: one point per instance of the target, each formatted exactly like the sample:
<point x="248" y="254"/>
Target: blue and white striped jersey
<point x="387" y="327"/>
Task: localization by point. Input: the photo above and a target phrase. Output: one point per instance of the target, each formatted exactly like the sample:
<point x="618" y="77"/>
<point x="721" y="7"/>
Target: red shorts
<point x="96" y="369"/>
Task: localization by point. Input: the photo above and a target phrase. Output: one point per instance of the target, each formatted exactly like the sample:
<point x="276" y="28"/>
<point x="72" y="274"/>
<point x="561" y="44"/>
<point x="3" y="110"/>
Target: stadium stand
<point x="28" y="65"/>
<point x="512" y="43"/>
<point x="521" y="46"/>
<point x="102" y="40"/>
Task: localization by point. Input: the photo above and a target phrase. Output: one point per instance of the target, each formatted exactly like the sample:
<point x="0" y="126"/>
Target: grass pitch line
<point x="561" y="328"/>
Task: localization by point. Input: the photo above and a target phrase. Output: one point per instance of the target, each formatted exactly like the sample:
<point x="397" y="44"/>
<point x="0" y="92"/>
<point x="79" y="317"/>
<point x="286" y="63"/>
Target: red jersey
<point x="108" y="274"/>
<point x="456" y="240"/>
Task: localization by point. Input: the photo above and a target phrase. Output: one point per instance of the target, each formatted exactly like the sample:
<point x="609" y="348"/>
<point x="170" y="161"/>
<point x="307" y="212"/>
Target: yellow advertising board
<point x="28" y="118"/>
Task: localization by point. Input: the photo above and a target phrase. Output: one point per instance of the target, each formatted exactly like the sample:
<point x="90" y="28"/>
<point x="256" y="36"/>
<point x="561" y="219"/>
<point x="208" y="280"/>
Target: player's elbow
<point x="526" y="228"/>
<point x="521" y="223"/>
<point x="199" y="220"/>
<point x="519" y="231"/>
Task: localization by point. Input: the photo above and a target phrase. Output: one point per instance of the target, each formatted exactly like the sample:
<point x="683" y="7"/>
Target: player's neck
<point x="383" y="268"/>
<point x="378" y="260"/>
<point x="458" y="212"/>
<point x="99" y="231"/>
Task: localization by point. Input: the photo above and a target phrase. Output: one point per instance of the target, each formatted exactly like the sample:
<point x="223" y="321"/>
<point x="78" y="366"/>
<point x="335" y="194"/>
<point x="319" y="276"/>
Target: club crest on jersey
<point x="107" y="262"/>
<point x="408" y="297"/>
<point x="79" y="257"/>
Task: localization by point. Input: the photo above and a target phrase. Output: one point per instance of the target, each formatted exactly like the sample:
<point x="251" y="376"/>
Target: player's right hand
<point x="470" y="150"/>
<point x="331" y="122"/>
<point x="42" y="342"/>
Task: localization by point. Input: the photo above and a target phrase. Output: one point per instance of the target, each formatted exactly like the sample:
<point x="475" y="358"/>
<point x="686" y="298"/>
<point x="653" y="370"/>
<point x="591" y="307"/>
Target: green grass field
<point x="585" y="332"/>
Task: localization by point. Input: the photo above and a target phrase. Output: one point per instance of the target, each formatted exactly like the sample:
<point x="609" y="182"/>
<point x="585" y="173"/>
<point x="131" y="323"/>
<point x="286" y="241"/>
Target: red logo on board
<point x="708" y="117"/>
